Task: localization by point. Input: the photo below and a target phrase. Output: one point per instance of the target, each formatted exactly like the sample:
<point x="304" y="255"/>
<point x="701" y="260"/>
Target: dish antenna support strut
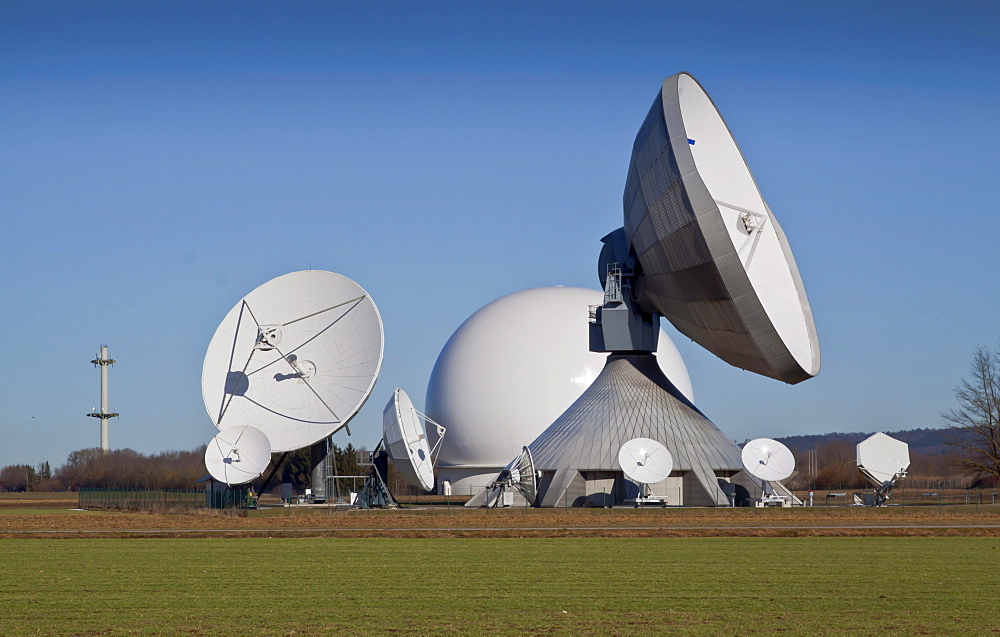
<point x="375" y="494"/>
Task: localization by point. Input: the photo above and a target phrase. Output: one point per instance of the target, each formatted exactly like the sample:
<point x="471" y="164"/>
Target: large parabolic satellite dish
<point x="296" y="358"/>
<point x="711" y="256"/>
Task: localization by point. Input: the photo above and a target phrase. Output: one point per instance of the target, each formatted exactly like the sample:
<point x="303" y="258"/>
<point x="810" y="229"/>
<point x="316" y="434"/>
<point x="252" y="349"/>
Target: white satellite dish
<point x="882" y="458"/>
<point x="295" y="358"/>
<point x="523" y="476"/>
<point x="884" y="461"/>
<point x="645" y="461"/>
<point x="237" y="455"/>
<point x="768" y="459"/>
<point x="711" y="256"/>
<point x="406" y="439"/>
<point x="519" y="475"/>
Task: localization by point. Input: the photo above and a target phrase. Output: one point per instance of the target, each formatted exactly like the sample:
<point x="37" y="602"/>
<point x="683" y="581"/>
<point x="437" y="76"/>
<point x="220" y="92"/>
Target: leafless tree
<point x="978" y="415"/>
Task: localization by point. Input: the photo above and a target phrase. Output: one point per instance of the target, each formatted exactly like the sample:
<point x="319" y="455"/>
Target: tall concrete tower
<point x="104" y="362"/>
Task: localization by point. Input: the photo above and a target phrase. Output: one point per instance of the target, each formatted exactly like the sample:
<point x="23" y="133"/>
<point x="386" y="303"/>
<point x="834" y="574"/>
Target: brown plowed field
<point x="47" y="515"/>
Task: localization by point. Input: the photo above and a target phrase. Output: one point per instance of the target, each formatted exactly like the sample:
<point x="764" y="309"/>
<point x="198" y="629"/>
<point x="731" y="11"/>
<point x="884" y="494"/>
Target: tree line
<point x="129" y="469"/>
<point x="119" y="468"/>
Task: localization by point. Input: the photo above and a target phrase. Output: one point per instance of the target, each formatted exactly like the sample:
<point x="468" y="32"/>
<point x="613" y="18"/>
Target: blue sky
<point x="161" y="159"/>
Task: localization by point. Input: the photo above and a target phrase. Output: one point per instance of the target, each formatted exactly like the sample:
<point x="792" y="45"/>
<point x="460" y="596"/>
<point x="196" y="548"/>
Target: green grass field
<point x="571" y="586"/>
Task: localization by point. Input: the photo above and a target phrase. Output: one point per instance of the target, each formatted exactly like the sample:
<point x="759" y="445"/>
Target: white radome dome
<point x="515" y="366"/>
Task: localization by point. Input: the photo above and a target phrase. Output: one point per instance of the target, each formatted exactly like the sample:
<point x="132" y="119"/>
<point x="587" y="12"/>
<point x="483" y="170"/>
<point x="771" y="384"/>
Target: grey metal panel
<point x="710" y="485"/>
<point x="631" y="398"/>
<point x="693" y="275"/>
<point x="694" y="492"/>
<point x="557" y="486"/>
<point x="479" y="499"/>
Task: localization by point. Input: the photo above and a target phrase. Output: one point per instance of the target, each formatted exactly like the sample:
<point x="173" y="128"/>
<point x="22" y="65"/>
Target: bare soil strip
<point x="460" y="522"/>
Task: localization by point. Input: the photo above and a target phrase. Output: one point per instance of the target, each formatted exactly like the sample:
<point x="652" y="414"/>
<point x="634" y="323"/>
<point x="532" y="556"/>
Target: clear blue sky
<point x="158" y="160"/>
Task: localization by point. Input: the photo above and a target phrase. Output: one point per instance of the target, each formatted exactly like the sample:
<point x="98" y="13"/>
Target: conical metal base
<point x="631" y="398"/>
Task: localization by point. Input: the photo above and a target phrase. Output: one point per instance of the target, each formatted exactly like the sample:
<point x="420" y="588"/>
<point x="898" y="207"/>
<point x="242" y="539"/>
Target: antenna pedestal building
<point x="632" y="398"/>
<point x="104" y="414"/>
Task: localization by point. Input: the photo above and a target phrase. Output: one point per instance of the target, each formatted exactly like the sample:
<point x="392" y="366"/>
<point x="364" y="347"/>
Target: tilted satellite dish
<point x="645" y="461"/>
<point x="520" y="475"/>
<point x="406" y="440"/>
<point x="295" y="358"/>
<point x="768" y="459"/>
<point x="884" y="461"/>
<point x="523" y="476"/>
<point x="882" y="457"/>
<point x="237" y="455"/>
<point x="706" y="251"/>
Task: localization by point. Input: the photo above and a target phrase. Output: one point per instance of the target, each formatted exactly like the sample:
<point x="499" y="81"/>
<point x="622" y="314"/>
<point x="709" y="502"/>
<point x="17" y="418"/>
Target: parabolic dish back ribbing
<point x="715" y="262"/>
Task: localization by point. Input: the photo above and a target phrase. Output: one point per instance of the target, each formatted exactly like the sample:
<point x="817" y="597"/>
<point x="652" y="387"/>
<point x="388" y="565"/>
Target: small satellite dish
<point x="523" y="475"/>
<point x="768" y="459"/>
<point x="296" y="358"/>
<point x="711" y="256"/>
<point x="237" y="455"/>
<point x="406" y="439"/>
<point x="882" y="457"/>
<point x="520" y="475"/>
<point x="645" y="461"/>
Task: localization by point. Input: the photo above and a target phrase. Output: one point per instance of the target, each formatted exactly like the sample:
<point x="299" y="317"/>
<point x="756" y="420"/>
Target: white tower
<point x="104" y="362"/>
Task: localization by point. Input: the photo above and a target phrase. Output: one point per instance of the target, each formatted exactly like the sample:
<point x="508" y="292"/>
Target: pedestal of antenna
<point x="375" y="494"/>
<point x="619" y="324"/>
<point x="631" y="398"/>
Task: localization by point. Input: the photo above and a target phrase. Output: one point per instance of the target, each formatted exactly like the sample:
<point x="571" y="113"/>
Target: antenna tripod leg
<point x="277" y="466"/>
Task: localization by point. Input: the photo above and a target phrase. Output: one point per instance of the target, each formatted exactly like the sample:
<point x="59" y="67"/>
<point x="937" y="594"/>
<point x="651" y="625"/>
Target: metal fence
<point x="142" y="499"/>
<point x="906" y="496"/>
<point x="227" y="498"/>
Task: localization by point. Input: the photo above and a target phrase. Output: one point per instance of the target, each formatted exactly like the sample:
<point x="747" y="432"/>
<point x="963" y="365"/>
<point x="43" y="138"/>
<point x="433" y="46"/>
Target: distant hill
<point x="926" y="441"/>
